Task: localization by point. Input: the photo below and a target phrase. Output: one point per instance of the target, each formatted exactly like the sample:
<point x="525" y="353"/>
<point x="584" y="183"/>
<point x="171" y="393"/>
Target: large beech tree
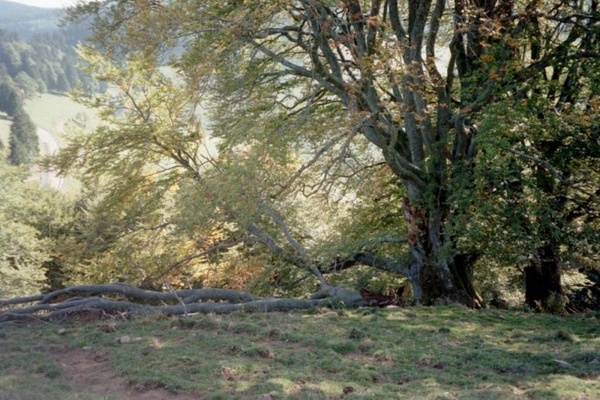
<point x="309" y="97"/>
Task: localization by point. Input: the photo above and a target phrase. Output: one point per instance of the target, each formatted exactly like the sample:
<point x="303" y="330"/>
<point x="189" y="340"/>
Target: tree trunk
<point x="55" y="279"/>
<point x="542" y="278"/>
<point x="587" y="297"/>
<point x="442" y="277"/>
<point x="436" y="284"/>
<point x="462" y="267"/>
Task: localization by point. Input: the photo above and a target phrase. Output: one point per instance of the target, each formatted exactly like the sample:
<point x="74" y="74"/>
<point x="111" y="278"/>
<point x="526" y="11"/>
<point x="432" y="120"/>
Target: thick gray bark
<point x="130" y="301"/>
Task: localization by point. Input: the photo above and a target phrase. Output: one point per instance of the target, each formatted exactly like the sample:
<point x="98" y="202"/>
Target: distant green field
<point x="56" y="114"/>
<point x="53" y="112"/>
<point x="4" y="131"/>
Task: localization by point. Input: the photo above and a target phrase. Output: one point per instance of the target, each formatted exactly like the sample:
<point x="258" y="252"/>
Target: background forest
<point x="370" y="151"/>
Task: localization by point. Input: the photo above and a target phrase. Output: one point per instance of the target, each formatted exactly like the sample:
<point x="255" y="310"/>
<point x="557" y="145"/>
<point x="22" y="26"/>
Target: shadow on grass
<point x="445" y="352"/>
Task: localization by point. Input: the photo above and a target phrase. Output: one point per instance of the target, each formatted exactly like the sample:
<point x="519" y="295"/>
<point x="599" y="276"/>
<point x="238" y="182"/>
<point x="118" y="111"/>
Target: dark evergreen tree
<point x="10" y="57"/>
<point x="23" y="140"/>
<point x="50" y="58"/>
<point x="27" y="84"/>
<point x="10" y="101"/>
<point x="62" y="83"/>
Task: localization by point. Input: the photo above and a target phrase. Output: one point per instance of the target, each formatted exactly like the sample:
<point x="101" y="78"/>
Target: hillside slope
<point x="28" y="20"/>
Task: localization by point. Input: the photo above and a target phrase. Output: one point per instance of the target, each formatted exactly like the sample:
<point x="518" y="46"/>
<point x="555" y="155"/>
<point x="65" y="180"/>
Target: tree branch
<point x="220" y="301"/>
<point x="561" y="178"/>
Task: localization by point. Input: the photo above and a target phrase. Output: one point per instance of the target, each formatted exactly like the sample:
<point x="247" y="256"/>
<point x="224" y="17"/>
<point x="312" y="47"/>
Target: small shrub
<point x="259" y="352"/>
<point x="555" y="304"/>
<point x="265" y="352"/>
<point x="565" y="336"/>
<point x="356" y="334"/>
<point x="383" y="355"/>
<point x="234" y="349"/>
<point x="365" y="348"/>
<point x="207" y="323"/>
<point x="345" y="347"/>
<point x="183" y="323"/>
<point x="274" y="333"/>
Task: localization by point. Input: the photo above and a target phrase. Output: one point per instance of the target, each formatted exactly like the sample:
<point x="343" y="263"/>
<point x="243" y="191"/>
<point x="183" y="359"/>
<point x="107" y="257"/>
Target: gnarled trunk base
<point x="462" y="267"/>
<point x="542" y="278"/>
<point x="436" y="286"/>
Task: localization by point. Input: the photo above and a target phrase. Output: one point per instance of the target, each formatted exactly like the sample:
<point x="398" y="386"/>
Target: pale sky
<point x="46" y="3"/>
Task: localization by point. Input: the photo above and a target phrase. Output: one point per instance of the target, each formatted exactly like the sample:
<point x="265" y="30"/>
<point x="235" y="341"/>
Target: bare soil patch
<point x="88" y="371"/>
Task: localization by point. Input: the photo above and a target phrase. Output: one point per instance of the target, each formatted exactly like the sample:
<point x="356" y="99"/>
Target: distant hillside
<point x="37" y="55"/>
<point x="26" y="20"/>
<point x="44" y="63"/>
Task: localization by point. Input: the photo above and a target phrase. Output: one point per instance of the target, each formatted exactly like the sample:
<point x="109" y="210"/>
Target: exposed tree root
<point x="129" y="300"/>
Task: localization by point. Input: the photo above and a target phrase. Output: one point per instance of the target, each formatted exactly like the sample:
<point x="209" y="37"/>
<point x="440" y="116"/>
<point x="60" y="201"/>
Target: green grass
<point x="54" y="112"/>
<point x="4" y="129"/>
<point x="421" y="353"/>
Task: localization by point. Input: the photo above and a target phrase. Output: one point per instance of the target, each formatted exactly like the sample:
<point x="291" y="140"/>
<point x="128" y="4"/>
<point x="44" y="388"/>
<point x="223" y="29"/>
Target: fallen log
<point x="128" y="301"/>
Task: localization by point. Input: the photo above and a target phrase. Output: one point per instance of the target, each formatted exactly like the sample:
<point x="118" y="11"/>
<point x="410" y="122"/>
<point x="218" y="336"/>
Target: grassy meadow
<point x="53" y="113"/>
<point x="395" y="353"/>
<point x="4" y="129"/>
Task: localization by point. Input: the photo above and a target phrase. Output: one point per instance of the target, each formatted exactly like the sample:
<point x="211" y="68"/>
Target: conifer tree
<point x="23" y="140"/>
<point x="10" y="102"/>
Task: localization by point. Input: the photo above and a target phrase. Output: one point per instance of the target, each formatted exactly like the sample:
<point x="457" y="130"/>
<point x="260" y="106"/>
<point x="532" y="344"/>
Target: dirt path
<point x="88" y="372"/>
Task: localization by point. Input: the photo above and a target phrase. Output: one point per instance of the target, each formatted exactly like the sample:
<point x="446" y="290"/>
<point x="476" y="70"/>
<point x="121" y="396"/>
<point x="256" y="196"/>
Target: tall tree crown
<point x="323" y="94"/>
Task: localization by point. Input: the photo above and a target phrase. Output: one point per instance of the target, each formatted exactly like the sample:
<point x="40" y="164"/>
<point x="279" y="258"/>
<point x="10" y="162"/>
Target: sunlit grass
<point x="447" y="352"/>
<point x="54" y="112"/>
<point x="4" y="130"/>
